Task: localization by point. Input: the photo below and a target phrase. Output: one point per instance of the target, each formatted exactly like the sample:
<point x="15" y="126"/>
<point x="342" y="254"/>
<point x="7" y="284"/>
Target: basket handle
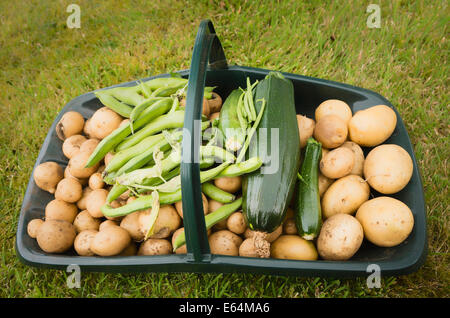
<point x="207" y="48"/>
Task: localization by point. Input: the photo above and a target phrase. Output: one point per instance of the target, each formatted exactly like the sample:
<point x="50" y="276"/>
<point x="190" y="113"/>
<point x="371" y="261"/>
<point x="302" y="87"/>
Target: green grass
<point x="44" y="65"/>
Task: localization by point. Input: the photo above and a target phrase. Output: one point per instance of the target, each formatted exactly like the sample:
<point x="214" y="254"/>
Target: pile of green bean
<point x="147" y="151"/>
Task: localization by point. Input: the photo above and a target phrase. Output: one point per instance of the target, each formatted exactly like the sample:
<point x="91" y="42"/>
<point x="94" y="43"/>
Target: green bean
<point x="141" y="107"/>
<point x="211" y="219"/>
<point x="144" y="90"/>
<point x="125" y="155"/>
<point x="175" y="183"/>
<point x="111" y="102"/>
<point x="216" y="152"/>
<point x="217" y="194"/>
<point x="156" y="83"/>
<point x="141" y="203"/>
<point x="157" y="181"/>
<point x="143" y="158"/>
<point x="171" y="120"/>
<point x="240" y="113"/>
<point x="139" y="175"/>
<point x="241" y="168"/>
<point x="118" y="189"/>
<point x="113" y="139"/>
<point x="251" y="132"/>
<point x="127" y="95"/>
<point x="167" y="90"/>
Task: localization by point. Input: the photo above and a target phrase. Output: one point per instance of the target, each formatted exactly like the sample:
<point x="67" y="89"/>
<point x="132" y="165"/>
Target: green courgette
<point x="268" y="191"/>
<point x="308" y="214"/>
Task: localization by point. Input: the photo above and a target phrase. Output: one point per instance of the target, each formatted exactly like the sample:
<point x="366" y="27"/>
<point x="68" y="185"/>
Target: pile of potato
<point x="347" y="177"/>
<point x="74" y="217"/>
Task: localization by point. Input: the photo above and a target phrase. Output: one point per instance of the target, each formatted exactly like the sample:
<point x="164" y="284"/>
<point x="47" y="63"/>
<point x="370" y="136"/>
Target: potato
<point x="386" y="221"/>
<point x="106" y="224"/>
<point x="215" y="103"/>
<point x="331" y="131"/>
<point x="345" y="196"/>
<point x="214" y="116"/>
<point x="77" y="165"/>
<point x="83" y="242"/>
<point x="167" y="222"/>
<point x="358" y="154"/>
<point x="324" y="183"/>
<point x="71" y="146"/>
<point x="212" y="206"/>
<point x="236" y="223"/>
<point x="334" y="107"/>
<point x="155" y="247"/>
<point x="247" y="248"/>
<point x="337" y="163"/>
<point x="55" y="236"/>
<point x="81" y="204"/>
<point x="388" y="168"/>
<point x="305" y="128"/>
<point x="372" y="126"/>
<point x="103" y="122"/>
<point x="131" y="223"/>
<point x="87" y="128"/>
<point x="108" y="158"/>
<point x="289" y="226"/>
<point x="340" y="237"/>
<point x="94" y="202"/>
<point x="84" y="221"/>
<point x="179" y="206"/>
<point x="96" y="181"/>
<point x="61" y="210"/>
<point x="205" y="107"/>
<point x="126" y="121"/>
<point x="82" y="181"/>
<point x="182" y="249"/>
<point x="69" y="190"/>
<point x="33" y="227"/>
<point x="110" y="241"/>
<point x="89" y="145"/>
<point x="130" y="250"/>
<point x="47" y="175"/>
<point x="229" y="184"/>
<point x="71" y="123"/>
<point x="224" y="243"/>
<point x="293" y="247"/>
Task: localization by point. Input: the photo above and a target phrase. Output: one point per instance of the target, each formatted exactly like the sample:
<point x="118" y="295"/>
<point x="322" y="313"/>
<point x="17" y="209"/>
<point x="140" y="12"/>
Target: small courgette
<point x="308" y="214"/>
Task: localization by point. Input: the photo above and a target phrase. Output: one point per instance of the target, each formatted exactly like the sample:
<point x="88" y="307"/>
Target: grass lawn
<point x="44" y="65"/>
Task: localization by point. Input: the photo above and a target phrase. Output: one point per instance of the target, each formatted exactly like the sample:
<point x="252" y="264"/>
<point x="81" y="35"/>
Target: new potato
<point x="337" y="163"/>
<point x="331" y="131"/>
<point x="340" y="237"/>
<point x="345" y="196"/>
<point x="372" y="126"/>
<point x="386" y="221"/>
<point x="110" y="241"/>
<point x="293" y="247"/>
<point x="305" y="128"/>
<point x="388" y="168"/>
<point x="55" y="236"/>
<point x="334" y="107"/>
